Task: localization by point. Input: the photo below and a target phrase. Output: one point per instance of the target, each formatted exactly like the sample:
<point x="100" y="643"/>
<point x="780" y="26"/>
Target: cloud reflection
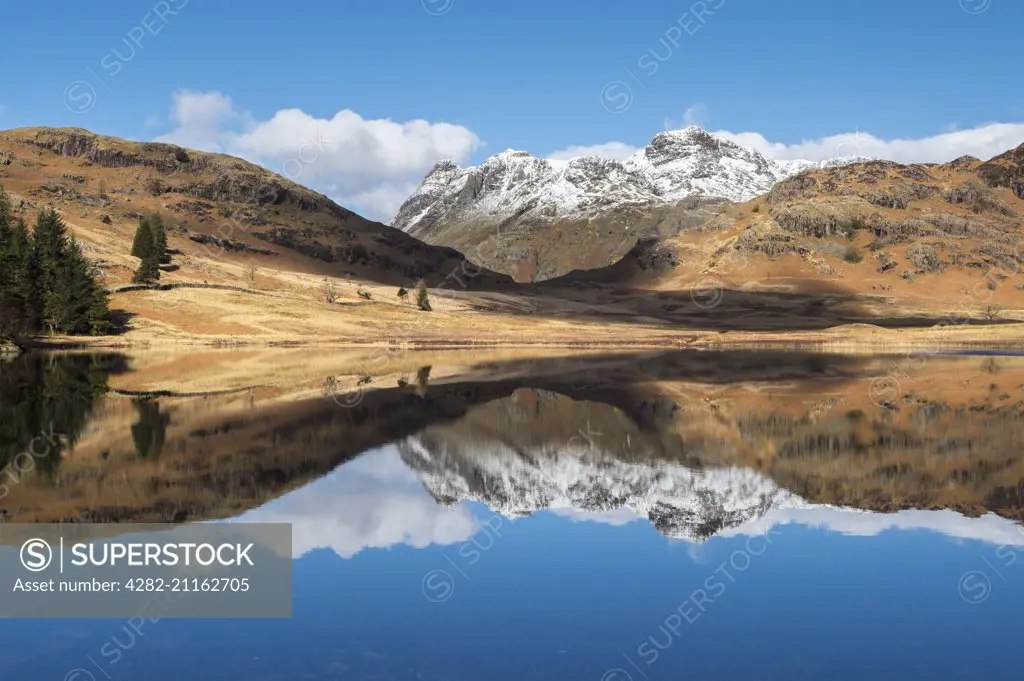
<point x="372" y="502"/>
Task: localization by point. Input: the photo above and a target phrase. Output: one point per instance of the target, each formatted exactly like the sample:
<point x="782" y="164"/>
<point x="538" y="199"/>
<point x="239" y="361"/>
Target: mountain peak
<point x="688" y="131"/>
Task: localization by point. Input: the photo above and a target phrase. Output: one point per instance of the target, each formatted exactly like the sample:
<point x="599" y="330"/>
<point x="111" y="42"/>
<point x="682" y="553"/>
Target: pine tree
<point x="149" y="270"/>
<point x="33" y="286"/>
<point x="156" y="226"/>
<point x="99" y="311"/>
<point x="142" y="244"/>
<point x="49" y="246"/>
<point x="10" y="310"/>
<point x="76" y="291"/>
<point x="150" y="246"/>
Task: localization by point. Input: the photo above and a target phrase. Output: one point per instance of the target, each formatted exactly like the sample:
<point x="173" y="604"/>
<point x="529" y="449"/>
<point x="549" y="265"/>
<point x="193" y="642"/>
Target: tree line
<point x="46" y="283"/>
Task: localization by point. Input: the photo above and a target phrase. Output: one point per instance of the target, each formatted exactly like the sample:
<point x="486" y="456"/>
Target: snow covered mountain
<point x="683" y="503"/>
<point x="513" y="184"/>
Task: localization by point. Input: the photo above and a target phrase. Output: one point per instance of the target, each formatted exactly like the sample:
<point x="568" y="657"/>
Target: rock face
<point x="507" y="206"/>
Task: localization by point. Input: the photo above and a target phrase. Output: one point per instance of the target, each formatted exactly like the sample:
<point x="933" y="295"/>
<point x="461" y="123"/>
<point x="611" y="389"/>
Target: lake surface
<point x="662" y="515"/>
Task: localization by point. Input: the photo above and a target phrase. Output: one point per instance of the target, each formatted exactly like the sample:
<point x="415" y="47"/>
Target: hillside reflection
<point x="696" y="443"/>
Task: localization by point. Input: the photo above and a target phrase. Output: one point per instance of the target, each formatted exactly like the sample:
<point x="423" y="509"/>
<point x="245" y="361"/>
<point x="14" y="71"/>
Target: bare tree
<point x="250" y="274"/>
<point x="992" y="311"/>
<point x="328" y="291"/>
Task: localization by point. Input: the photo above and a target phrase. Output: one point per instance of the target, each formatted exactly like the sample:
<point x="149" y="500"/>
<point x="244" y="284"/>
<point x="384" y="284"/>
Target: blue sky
<point x="541" y="76"/>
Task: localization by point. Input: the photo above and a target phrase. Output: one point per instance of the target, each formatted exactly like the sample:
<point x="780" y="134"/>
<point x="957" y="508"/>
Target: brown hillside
<point x="219" y="208"/>
<point x="939" y="241"/>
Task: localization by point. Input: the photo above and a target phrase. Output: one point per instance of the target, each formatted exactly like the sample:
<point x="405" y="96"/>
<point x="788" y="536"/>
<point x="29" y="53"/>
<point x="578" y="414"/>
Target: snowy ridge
<point x="680" y="502"/>
<point x="674" y="165"/>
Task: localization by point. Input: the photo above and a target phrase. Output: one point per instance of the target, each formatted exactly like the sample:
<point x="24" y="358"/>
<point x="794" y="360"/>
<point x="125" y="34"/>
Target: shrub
<point x="924" y="258"/>
<point x="852" y="255"/>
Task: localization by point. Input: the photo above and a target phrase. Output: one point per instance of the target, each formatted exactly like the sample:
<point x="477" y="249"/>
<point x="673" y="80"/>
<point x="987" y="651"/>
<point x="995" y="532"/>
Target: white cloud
<point x="371" y="165"/>
<point x="984" y="142"/>
<point x="617" y="150"/>
<point x="374" y="501"/>
<point x="695" y="115"/>
<point x="990" y="528"/>
<point x="201" y="118"/>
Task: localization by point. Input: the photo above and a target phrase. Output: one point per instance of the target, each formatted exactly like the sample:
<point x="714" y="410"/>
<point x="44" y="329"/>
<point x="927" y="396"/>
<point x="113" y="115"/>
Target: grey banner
<point x="205" y="570"/>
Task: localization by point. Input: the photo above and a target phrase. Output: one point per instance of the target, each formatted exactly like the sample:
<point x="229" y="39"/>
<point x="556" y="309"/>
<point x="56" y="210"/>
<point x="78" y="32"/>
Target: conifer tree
<point x="149" y="270"/>
<point x="156" y="226"/>
<point x="10" y="309"/>
<point x="143" y="241"/>
<point x="150" y="246"/>
<point x="49" y="244"/>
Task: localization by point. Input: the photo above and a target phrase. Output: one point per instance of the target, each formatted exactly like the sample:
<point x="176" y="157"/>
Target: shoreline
<point x="862" y="338"/>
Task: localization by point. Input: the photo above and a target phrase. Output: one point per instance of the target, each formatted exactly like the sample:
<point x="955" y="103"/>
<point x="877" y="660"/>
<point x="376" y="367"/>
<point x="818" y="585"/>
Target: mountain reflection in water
<point x="555" y="518"/>
<point x="696" y="442"/>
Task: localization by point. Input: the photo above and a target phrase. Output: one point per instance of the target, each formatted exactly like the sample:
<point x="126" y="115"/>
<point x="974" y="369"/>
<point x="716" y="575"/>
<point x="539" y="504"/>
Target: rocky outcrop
<point x="1005" y="170"/>
<point x="229" y="245"/>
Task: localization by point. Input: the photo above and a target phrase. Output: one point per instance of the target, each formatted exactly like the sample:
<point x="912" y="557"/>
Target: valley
<point x="854" y="252"/>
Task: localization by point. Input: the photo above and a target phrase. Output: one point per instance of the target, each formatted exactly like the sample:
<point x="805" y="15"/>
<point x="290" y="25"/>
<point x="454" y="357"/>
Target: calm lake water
<point x="660" y="516"/>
